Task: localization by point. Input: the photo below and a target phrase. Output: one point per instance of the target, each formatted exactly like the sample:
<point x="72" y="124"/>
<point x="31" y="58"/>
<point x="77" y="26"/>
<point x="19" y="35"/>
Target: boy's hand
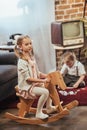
<point x="75" y="85"/>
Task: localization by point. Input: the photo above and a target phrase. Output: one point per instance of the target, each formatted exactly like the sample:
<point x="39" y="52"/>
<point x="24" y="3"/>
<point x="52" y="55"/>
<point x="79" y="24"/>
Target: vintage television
<point x="68" y="33"/>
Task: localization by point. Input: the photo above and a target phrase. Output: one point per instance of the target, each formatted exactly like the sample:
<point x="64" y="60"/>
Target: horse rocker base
<point x="26" y="111"/>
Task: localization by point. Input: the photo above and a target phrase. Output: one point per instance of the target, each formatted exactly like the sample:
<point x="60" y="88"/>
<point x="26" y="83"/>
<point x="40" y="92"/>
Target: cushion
<point x="7" y="72"/>
<point x="8" y="58"/>
<point x="69" y="95"/>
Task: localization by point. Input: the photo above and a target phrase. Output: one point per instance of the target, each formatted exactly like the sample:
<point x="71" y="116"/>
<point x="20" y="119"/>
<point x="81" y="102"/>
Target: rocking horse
<point x="25" y="105"/>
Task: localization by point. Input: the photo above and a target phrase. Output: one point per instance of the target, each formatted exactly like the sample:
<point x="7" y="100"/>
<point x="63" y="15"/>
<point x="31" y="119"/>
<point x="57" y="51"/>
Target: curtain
<point x="41" y="16"/>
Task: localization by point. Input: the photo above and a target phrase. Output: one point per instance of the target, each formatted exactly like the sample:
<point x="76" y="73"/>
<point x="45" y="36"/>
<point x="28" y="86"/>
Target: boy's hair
<point x="69" y="56"/>
<point x="17" y="50"/>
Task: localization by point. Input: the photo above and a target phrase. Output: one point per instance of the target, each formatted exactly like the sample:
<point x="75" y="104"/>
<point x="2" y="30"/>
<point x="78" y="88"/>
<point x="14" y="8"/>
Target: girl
<point x="31" y="81"/>
<point x="73" y="71"/>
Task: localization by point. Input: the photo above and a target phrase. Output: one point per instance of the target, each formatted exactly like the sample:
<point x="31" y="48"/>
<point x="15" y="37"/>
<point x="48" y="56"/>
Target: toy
<point x="25" y="106"/>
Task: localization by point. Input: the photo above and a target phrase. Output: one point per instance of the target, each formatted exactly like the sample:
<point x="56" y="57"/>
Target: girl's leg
<point x="44" y="94"/>
<point x="49" y="106"/>
<point x="49" y="103"/>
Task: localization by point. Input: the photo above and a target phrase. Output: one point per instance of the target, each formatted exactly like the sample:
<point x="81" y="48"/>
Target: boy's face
<point x="69" y="63"/>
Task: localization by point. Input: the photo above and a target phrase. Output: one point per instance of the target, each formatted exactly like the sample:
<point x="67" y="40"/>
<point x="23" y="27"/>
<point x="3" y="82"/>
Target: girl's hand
<point x="47" y="80"/>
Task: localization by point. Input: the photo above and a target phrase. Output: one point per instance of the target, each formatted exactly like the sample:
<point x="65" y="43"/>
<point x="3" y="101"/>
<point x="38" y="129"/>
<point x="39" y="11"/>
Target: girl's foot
<point x="42" y="116"/>
<point x="52" y="109"/>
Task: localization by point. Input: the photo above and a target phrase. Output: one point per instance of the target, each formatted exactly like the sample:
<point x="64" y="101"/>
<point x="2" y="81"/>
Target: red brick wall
<point x="69" y="9"/>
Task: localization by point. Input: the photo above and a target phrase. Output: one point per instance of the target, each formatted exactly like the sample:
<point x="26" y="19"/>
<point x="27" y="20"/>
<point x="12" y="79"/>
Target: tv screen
<point x="68" y="33"/>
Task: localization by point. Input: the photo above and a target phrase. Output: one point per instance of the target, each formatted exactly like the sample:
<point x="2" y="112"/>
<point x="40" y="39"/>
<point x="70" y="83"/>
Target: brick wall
<point x="68" y="10"/>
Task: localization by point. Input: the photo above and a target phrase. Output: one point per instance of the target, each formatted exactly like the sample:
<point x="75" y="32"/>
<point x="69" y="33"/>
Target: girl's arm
<point x="42" y="75"/>
<point x="37" y="80"/>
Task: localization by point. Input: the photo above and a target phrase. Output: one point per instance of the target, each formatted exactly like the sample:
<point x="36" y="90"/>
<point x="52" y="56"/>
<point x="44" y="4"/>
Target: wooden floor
<point x="76" y="120"/>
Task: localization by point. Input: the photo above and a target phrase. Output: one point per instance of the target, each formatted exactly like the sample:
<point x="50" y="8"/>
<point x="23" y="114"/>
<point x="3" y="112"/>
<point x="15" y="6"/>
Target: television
<point x="69" y="33"/>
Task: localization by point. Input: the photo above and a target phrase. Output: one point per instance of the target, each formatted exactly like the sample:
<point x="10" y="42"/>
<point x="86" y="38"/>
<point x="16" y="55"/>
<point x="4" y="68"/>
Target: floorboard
<point x="76" y="120"/>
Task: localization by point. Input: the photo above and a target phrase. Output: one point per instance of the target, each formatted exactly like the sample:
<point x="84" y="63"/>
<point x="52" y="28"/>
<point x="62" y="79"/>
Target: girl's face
<point x="26" y="45"/>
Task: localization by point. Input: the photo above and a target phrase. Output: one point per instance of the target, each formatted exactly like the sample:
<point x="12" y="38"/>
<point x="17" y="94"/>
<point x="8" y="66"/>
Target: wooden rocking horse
<point x="25" y="105"/>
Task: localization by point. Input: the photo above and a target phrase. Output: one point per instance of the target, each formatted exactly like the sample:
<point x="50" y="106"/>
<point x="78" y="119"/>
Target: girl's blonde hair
<point x="69" y="56"/>
<point x="17" y="49"/>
